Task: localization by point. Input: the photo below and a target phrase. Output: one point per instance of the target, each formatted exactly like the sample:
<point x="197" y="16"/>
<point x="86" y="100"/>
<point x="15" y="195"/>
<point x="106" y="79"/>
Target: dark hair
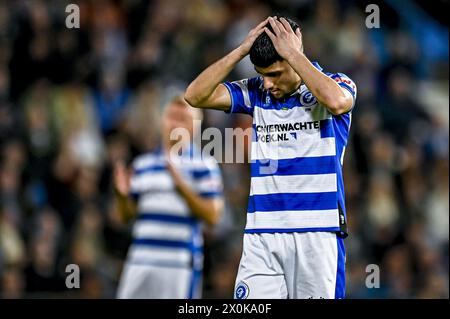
<point x="262" y="52"/>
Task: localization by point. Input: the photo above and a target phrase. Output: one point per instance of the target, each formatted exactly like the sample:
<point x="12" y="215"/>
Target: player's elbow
<point x="338" y="106"/>
<point x="189" y="99"/>
<point x="192" y="98"/>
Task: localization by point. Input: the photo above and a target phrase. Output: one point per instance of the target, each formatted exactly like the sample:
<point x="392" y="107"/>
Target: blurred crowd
<point x="73" y="101"/>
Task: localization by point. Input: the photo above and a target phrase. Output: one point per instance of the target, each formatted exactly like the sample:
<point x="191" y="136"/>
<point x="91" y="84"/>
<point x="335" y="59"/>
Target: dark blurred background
<point x="72" y="101"/>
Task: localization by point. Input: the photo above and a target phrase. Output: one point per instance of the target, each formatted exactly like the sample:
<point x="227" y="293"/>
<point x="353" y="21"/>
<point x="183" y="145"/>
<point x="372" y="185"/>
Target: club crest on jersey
<point x="307" y="99"/>
<point x="242" y="291"/>
<point x="267" y="100"/>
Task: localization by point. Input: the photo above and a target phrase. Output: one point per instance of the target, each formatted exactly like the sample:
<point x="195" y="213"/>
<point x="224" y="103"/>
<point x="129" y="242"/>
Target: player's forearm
<point x="125" y="206"/>
<point x="325" y="89"/>
<point x="200" y="90"/>
<point x="205" y="209"/>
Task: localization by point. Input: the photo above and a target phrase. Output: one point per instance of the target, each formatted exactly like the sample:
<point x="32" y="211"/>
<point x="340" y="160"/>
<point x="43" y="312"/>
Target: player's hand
<point x="284" y="39"/>
<point x="173" y="171"/>
<point x="121" y="179"/>
<point x="251" y="37"/>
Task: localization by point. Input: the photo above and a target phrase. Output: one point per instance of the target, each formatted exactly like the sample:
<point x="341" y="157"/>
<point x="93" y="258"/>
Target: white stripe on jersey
<point x="293" y="219"/>
<point x="160" y="181"/>
<point x="147" y="160"/>
<point x="302" y="147"/>
<point x="162" y="254"/>
<point x="244" y="90"/>
<point x="186" y="162"/>
<point x="167" y="202"/>
<point x="274" y="184"/>
<point x="162" y="230"/>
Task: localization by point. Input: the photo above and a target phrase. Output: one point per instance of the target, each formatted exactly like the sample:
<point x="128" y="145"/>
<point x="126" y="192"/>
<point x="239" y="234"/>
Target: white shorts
<point x="145" y="281"/>
<point x="291" y="265"/>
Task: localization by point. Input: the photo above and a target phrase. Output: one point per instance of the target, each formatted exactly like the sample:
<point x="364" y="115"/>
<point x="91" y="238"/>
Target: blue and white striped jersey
<point x="165" y="232"/>
<point x="297" y="153"/>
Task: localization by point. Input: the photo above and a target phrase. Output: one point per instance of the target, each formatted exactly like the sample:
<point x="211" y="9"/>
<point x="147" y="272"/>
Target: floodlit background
<point x="74" y="100"/>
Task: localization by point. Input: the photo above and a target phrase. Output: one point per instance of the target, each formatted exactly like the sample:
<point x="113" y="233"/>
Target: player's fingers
<point x="275" y="27"/>
<point x="258" y="32"/>
<point x="261" y="25"/>
<point x="298" y="33"/>
<point x="286" y="25"/>
<point x="270" y="34"/>
<point x="280" y="25"/>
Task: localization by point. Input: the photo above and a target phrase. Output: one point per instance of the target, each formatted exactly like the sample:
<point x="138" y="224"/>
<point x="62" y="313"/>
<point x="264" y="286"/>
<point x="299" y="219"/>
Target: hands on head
<point x="284" y="39"/>
<point x="252" y="35"/>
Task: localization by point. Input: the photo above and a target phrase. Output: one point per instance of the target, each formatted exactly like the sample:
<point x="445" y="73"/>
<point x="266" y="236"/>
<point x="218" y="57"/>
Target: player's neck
<point x="296" y="88"/>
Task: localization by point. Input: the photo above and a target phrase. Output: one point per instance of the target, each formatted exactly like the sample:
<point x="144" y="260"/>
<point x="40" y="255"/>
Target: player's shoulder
<point x="253" y="83"/>
<point x="339" y="77"/>
<point x="343" y="80"/>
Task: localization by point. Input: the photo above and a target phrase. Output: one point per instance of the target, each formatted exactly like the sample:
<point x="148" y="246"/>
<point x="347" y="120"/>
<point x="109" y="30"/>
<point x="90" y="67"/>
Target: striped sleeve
<point x="208" y="180"/>
<point x="243" y="94"/>
<point x="345" y="82"/>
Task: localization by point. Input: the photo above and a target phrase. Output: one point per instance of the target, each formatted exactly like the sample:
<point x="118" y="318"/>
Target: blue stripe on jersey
<point x="316" y="64"/>
<point x="210" y="194"/>
<point x="134" y="196"/>
<point x="341" y="125"/>
<point x="238" y="104"/>
<point x="295" y="166"/>
<point x="326" y="128"/>
<point x="339" y="291"/>
<point x="292" y="202"/>
<point x="289" y="230"/>
<point x="237" y="99"/>
<point x="346" y="86"/>
<point x="165" y="217"/>
<point x="148" y="169"/>
<point x="194" y="286"/>
<point x="254" y="133"/>
<point x="199" y="174"/>
<point x="341" y="128"/>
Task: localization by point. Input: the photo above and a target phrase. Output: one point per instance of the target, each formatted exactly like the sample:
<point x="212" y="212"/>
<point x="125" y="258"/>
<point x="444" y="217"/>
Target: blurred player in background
<point x="293" y="242"/>
<point x="170" y="197"/>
